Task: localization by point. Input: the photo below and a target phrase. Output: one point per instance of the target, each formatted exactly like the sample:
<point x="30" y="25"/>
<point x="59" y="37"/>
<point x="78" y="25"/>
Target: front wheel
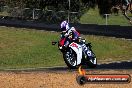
<point x="70" y="59"/>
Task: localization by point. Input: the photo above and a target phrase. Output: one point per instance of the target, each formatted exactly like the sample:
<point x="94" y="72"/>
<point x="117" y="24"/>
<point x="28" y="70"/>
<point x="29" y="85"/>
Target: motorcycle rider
<point x="68" y="34"/>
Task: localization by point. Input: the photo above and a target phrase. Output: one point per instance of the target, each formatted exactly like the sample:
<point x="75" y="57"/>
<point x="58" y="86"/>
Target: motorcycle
<point x="74" y="54"/>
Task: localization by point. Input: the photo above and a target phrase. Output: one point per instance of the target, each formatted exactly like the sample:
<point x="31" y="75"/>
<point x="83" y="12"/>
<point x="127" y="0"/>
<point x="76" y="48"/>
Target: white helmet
<point x="64" y="26"/>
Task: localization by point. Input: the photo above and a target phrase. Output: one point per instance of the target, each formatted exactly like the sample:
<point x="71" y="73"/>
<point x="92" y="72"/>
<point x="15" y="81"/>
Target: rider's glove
<point x="66" y="35"/>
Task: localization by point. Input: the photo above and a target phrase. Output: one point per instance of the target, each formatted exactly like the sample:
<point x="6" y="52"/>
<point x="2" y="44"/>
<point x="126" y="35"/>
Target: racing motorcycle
<point x="74" y="54"/>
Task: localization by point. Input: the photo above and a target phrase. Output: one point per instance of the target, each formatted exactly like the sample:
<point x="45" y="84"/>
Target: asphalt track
<point x="124" y="65"/>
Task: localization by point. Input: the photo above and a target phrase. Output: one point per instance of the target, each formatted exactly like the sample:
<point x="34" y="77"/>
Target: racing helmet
<point x="64" y="26"/>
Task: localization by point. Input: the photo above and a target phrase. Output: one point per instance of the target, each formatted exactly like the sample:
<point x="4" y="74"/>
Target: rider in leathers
<point x="69" y="35"/>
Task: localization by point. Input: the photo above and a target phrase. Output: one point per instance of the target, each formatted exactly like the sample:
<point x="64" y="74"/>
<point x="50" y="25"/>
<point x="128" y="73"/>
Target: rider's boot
<point x="85" y="49"/>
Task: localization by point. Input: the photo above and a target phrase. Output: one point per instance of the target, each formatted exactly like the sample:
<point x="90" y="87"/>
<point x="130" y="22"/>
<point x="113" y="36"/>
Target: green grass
<point x="111" y="48"/>
<point x="26" y="48"/>
<point x="22" y="48"/>
<point x="93" y="17"/>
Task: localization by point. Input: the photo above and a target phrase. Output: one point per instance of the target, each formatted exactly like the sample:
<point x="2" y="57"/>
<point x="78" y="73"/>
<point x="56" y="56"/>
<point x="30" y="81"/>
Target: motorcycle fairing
<point x="78" y="50"/>
<point x="61" y="42"/>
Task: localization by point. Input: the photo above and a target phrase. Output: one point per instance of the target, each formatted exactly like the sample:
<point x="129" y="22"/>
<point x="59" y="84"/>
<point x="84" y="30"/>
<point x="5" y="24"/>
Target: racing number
<point x="74" y="45"/>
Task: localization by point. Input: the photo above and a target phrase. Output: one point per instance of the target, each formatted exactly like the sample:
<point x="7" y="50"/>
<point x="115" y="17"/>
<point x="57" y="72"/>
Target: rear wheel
<point x="70" y="58"/>
<point x="92" y="60"/>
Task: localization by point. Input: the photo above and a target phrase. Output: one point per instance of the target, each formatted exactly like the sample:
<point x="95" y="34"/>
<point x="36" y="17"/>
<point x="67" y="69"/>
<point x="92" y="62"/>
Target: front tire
<point x="70" y="59"/>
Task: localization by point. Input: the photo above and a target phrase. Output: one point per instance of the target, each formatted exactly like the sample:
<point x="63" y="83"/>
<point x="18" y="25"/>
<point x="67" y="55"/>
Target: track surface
<point x="61" y="77"/>
<point x="124" y="65"/>
<point x="108" y="66"/>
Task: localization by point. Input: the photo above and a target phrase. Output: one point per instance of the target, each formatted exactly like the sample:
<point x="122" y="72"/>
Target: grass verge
<point x="25" y="48"/>
<point x="93" y="17"/>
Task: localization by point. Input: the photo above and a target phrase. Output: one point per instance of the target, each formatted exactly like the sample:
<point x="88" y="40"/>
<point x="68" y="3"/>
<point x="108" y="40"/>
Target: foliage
<point x="80" y="6"/>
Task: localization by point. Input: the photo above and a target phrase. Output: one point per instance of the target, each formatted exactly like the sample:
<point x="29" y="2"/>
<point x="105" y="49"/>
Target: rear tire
<point x="92" y="63"/>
